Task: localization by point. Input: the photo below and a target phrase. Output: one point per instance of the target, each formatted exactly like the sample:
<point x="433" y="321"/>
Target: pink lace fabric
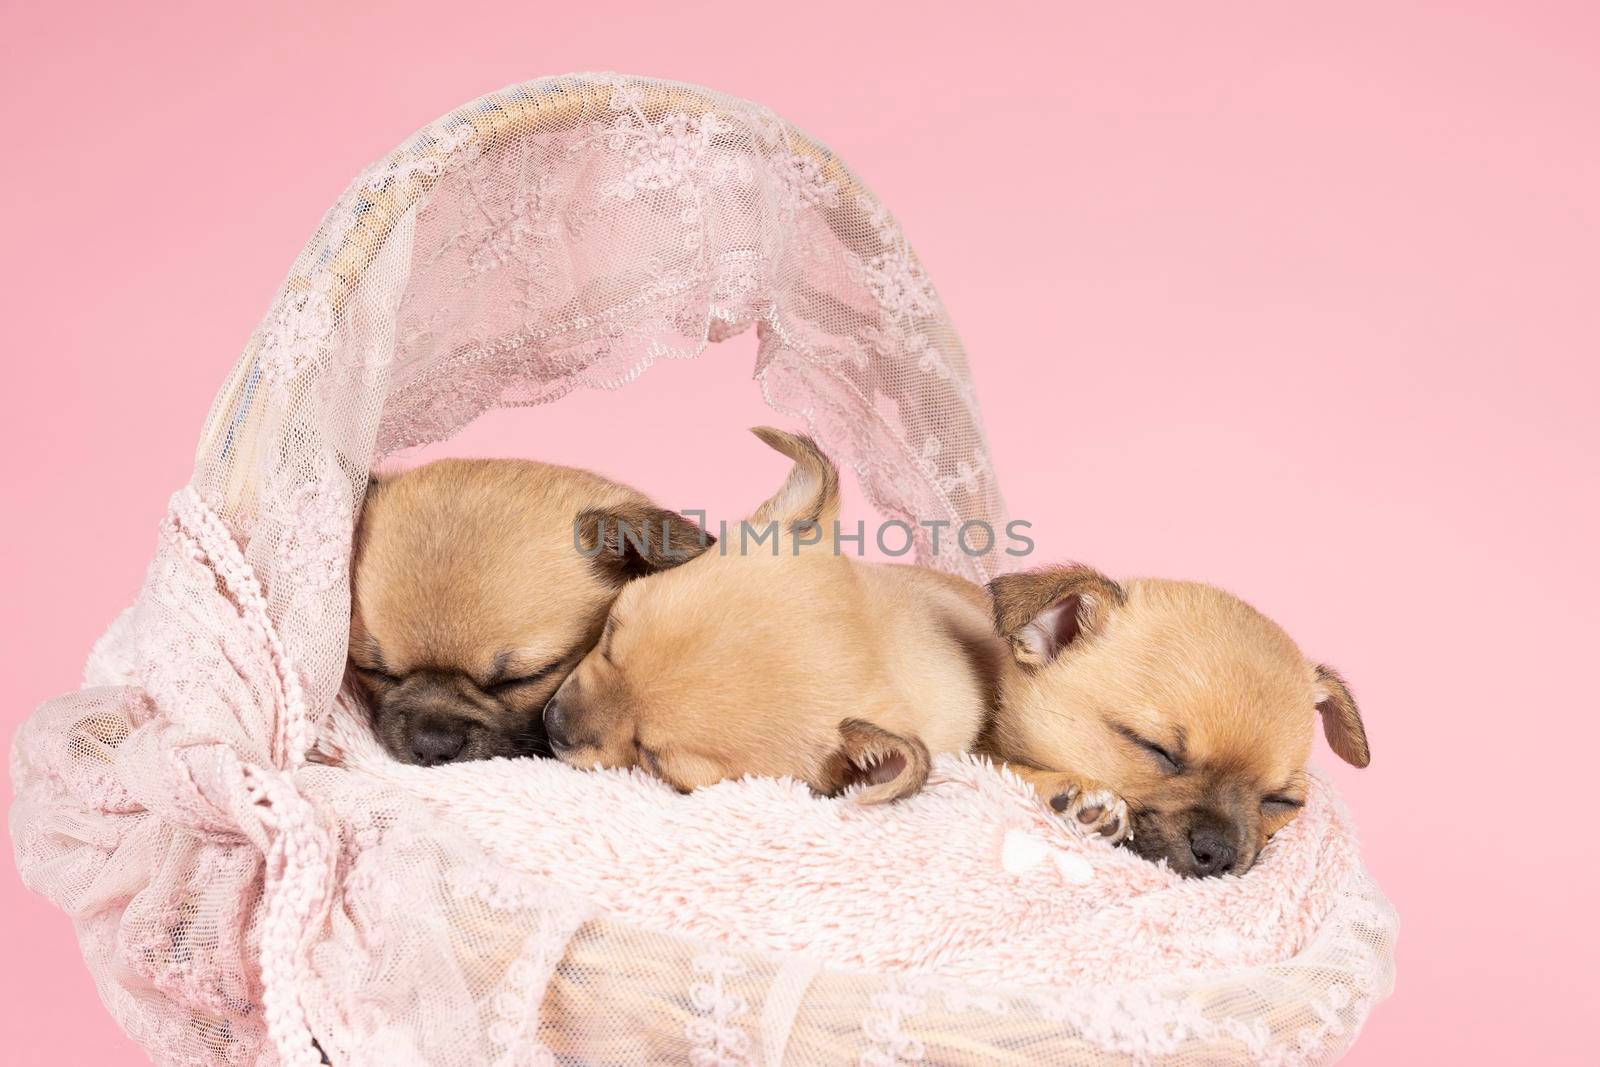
<point x="235" y="897"/>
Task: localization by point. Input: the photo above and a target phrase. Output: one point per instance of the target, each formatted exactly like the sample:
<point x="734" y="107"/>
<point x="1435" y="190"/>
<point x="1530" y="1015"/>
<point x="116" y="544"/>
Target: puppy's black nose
<point x="1212" y="851"/>
<point x="555" y="724"/>
<point x="434" y="742"/>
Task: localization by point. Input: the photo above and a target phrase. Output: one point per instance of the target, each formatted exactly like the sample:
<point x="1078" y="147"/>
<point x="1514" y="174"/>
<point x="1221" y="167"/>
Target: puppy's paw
<point x="882" y="766"/>
<point x="1097" y="810"/>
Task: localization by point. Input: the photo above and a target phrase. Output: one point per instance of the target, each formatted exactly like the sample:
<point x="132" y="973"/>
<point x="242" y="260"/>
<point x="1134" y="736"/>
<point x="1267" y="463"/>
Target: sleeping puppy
<point x="1169" y="710"/>
<point x="471" y="599"/>
<point x="784" y="658"/>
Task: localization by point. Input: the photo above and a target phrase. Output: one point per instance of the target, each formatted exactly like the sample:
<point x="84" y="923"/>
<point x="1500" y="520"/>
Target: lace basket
<point x="238" y="901"/>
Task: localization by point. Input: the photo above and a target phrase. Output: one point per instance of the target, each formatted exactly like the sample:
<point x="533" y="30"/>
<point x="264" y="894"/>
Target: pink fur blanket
<point x="972" y="879"/>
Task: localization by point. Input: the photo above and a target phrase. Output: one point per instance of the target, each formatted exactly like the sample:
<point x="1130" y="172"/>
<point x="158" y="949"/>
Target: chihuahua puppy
<point x="1168" y="711"/>
<point x="785" y="659"/>
<point x="476" y="585"/>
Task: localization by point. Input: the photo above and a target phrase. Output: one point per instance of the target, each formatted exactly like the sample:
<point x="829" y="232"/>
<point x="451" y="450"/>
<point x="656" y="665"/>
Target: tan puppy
<point x="784" y="659"/>
<point x="1169" y="709"/>
<point x="471" y="599"/>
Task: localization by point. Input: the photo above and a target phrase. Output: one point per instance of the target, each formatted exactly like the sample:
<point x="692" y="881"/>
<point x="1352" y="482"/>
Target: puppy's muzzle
<point x="1196" y="843"/>
<point x="1210" y="852"/>
<point x="555" y="725"/>
<point x="436" y="740"/>
<point x="426" y="721"/>
<point x="571" y="724"/>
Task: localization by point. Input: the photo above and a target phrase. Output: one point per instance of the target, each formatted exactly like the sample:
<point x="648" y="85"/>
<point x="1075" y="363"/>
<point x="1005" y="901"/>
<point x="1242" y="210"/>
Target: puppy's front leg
<point x="1089" y="804"/>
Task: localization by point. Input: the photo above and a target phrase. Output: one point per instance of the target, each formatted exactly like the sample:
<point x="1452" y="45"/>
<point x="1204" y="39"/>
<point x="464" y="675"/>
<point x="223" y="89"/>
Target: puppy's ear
<point x="1042" y="612"/>
<point x="1341" y="719"/>
<point x="374" y="483"/>
<point x="886" y="766"/>
<point x="810" y="495"/>
<point x="632" y="540"/>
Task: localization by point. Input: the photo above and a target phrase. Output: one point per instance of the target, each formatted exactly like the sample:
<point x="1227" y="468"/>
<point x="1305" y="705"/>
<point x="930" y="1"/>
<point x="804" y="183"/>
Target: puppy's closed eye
<point x="510" y="685"/>
<point x="1273" y="807"/>
<point x="377" y="677"/>
<point x="1167" y="760"/>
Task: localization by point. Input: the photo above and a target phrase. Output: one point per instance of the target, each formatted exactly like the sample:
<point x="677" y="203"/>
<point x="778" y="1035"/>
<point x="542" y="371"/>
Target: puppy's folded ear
<point x="886" y="766"/>
<point x="1042" y="612"/>
<point x="632" y="540"/>
<point x="1341" y="719"/>
<point x="809" y="497"/>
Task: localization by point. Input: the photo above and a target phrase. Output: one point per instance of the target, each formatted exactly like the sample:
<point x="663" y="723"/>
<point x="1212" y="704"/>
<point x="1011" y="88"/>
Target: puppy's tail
<point x="811" y="492"/>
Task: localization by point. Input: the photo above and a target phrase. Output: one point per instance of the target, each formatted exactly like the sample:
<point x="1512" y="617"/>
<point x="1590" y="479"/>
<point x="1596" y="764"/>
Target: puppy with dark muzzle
<point x="1169" y="711"/>
<point x="477" y="585"/>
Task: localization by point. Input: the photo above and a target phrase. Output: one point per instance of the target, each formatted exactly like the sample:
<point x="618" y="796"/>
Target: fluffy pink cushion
<point x="973" y="878"/>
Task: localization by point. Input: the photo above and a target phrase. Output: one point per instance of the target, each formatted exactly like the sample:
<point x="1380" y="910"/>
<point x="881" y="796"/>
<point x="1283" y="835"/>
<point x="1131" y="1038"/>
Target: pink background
<point x="1300" y="303"/>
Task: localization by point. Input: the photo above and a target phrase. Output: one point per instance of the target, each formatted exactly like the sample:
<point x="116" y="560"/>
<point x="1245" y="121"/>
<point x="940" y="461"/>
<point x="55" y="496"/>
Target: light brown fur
<point x="470" y="600"/>
<point x="804" y="664"/>
<point x="1107" y="672"/>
